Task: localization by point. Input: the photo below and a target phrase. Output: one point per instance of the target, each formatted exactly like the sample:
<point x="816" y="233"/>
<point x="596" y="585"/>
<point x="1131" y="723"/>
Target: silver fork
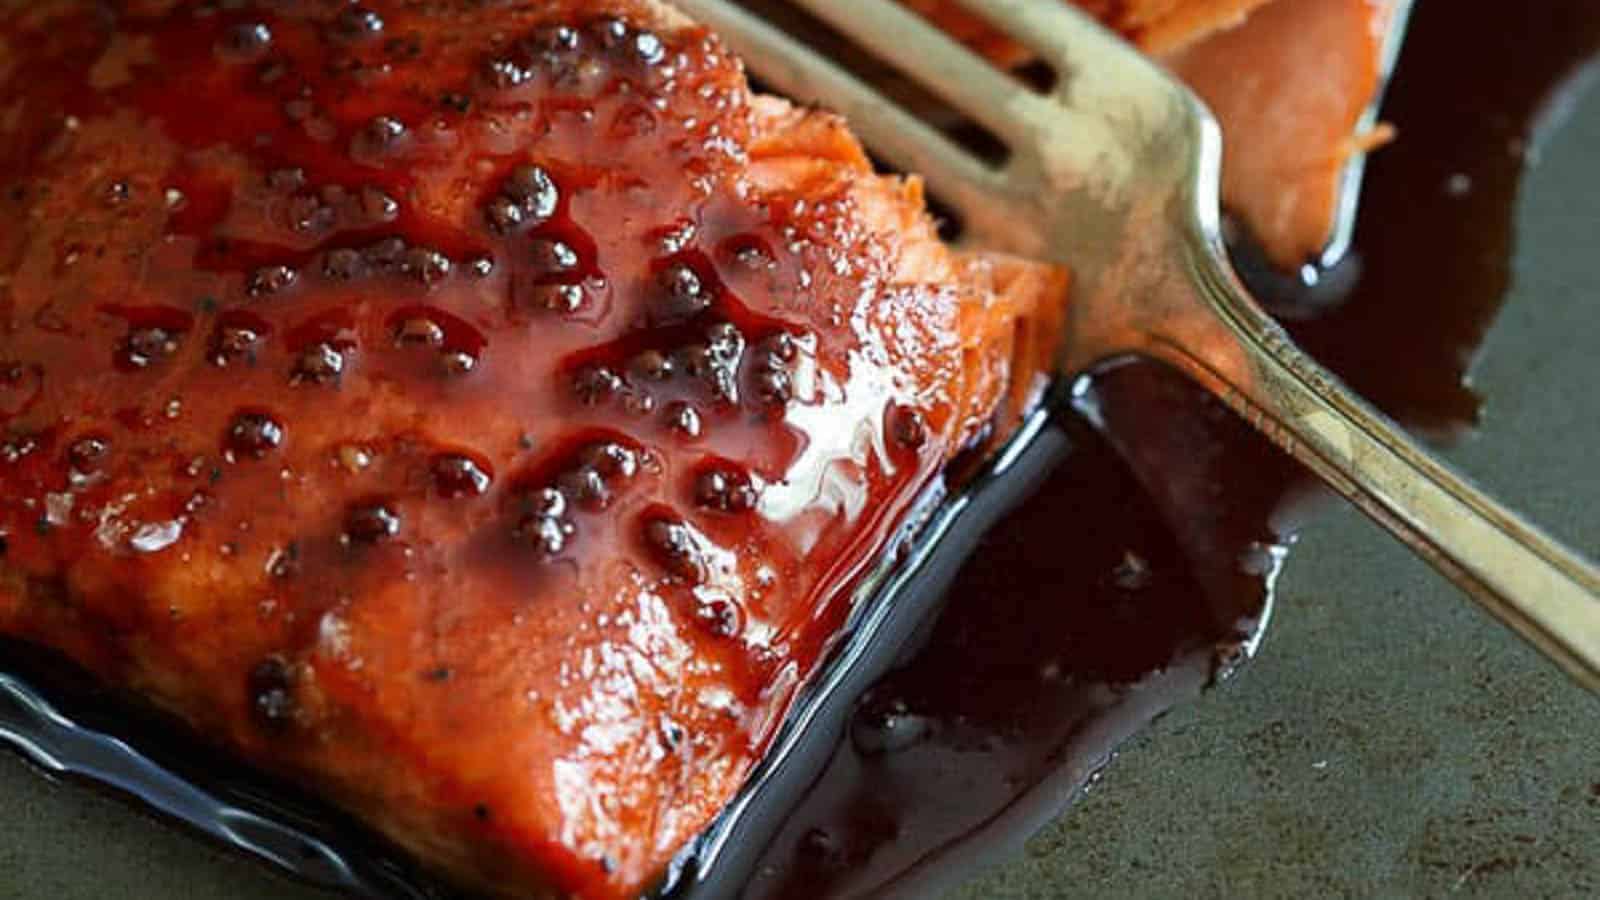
<point x="1115" y="173"/>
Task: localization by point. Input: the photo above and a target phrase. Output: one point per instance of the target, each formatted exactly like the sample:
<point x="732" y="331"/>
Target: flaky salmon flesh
<point x="1289" y="81"/>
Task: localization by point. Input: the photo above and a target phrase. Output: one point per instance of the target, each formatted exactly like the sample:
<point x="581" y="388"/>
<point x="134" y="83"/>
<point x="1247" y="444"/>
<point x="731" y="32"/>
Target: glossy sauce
<point x="1139" y="571"/>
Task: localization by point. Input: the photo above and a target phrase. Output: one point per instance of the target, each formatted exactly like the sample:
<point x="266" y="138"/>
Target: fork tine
<point x="931" y="57"/>
<point x="959" y="178"/>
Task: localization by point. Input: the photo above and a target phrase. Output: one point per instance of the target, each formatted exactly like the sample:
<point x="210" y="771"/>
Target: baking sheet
<point x="1390" y="740"/>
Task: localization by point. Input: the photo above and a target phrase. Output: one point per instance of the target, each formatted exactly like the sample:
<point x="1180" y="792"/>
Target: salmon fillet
<point x="478" y="412"/>
<point x="1288" y="80"/>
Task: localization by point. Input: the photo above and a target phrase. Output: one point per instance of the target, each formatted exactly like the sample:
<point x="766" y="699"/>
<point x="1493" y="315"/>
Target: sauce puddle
<point x="1139" y="571"/>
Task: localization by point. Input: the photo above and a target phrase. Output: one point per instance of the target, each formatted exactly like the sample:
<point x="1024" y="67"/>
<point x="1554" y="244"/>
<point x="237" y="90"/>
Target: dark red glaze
<point x="341" y="344"/>
<point x="461" y="475"/>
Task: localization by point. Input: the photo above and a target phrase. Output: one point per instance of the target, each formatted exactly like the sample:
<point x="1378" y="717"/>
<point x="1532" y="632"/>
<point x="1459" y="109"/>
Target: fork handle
<point x="1542" y="590"/>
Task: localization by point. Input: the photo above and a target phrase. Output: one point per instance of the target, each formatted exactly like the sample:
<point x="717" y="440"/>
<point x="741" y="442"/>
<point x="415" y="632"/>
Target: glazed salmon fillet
<point x="477" y="412"/>
<point x="1288" y="80"/>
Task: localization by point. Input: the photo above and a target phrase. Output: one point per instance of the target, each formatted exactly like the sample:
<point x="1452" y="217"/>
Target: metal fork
<point x="1115" y="172"/>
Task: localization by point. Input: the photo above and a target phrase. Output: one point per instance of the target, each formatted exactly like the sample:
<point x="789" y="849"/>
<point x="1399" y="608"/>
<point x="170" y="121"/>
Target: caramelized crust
<point x="480" y="411"/>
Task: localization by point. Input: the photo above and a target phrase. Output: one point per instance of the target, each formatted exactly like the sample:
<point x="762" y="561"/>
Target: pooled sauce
<point x="1139" y="571"/>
